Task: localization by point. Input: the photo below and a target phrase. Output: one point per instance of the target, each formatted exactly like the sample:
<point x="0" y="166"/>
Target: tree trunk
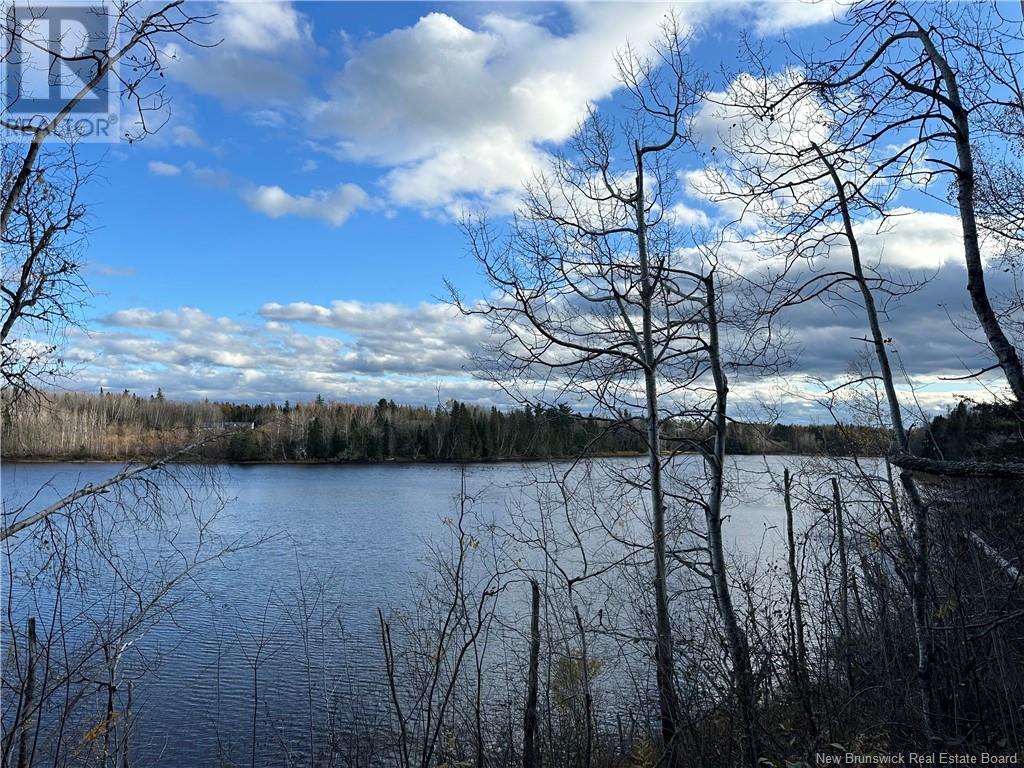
<point x="663" y="651"/>
<point x="125" y="731"/>
<point x="734" y="636"/>
<point x="799" y="644"/>
<point x="588" y="700"/>
<point x="844" y="581"/>
<point x="1005" y="352"/>
<point x="919" y="511"/>
<point x="530" y="758"/>
<point x="27" y="695"/>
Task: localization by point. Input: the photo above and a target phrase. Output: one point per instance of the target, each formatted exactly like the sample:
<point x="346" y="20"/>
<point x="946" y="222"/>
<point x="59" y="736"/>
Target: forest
<point x="125" y="426"/>
<point x="606" y="615"/>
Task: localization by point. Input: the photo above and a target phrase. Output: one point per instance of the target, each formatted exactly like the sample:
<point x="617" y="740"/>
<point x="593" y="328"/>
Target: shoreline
<point x="307" y="462"/>
<point x="359" y="463"/>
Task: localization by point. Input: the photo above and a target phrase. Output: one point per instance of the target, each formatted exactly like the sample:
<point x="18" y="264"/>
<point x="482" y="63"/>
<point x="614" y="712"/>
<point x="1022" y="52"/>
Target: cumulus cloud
<point x="263" y="27"/>
<point x="160" y="168"/>
<point x="683" y="215"/>
<point x="907" y="240"/>
<point x="378" y="338"/>
<point x="359" y="350"/>
<point x="407" y="337"/>
<point x="763" y="173"/>
<point x="732" y="116"/>
<point x="453" y="111"/>
<point x="333" y="206"/>
<point x="262" y="55"/>
<point x="185" y="319"/>
<point x="743" y="148"/>
<point x="460" y="111"/>
<point x="914" y="240"/>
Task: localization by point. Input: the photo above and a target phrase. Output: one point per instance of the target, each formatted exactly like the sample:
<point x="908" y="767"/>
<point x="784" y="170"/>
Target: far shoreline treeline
<point x="106" y="426"/>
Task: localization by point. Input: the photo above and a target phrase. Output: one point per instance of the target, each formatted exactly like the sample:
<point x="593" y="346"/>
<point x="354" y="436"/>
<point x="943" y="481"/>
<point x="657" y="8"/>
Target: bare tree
<point x="813" y="158"/>
<point x="584" y="278"/>
<point x="43" y="255"/>
<point x="530" y="756"/>
<point x="92" y="597"/>
<point x="937" y="87"/>
<point x="427" y="663"/>
<point x="607" y="299"/>
<point x="42" y="224"/>
<point x="799" y="650"/>
<point x="133" y="54"/>
<point x="584" y="283"/>
<point x="71" y="549"/>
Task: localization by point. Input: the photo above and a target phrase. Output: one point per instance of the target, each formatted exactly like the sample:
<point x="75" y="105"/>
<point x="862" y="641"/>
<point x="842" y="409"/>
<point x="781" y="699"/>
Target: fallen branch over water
<point x="120" y="477"/>
<point x="1005" y="470"/>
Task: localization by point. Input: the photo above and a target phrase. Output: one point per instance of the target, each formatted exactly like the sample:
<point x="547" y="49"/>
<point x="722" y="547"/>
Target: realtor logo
<point x="53" y="53"/>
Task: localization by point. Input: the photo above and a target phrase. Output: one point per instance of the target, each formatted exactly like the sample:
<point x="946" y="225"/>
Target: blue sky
<point x="287" y="232"/>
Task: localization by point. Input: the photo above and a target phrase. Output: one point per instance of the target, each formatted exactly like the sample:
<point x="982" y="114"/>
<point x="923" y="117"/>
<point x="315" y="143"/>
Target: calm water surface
<point x="358" y="533"/>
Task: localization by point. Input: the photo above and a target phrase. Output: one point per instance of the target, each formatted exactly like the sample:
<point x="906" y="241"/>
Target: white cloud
<point x="907" y="240"/>
<point x="911" y="240"/>
<point x="186" y="136"/>
<point x="367" y="351"/>
<point x="749" y="149"/>
<point x="458" y="111"/>
<point x="262" y="27"/>
<point x="260" y="53"/>
<point x="267" y="118"/>
<point x="429" y="323"/>
<point x="490" y="167"/>
<point x="452" y="110"/>
<point x="774" y="17"/>
<point x="186" y="319"/>
<point x="685" y="216"/>
<point x="733" y="121"/>
<point x="333" y="206"/>
<point x="397" y="337"/>
<point x="363" y="351"/>
<point x="160" y="168"/>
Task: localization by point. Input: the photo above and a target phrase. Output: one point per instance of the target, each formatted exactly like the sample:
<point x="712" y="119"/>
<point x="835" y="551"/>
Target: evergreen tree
<point x="337" y="443"/>
<point x="315" y="439"/>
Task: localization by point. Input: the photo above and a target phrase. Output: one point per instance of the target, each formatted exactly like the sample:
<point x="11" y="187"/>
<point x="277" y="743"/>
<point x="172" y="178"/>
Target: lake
<point x="350" y="539"/>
